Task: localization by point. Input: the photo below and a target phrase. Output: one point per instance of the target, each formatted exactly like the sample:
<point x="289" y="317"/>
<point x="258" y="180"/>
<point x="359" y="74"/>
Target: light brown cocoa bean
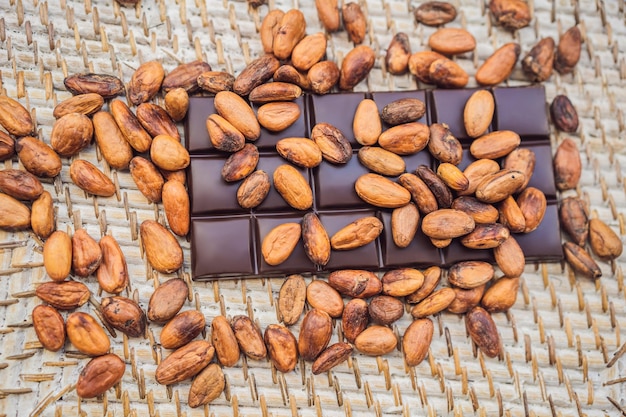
<point x="238" y="113"/>
<point x="320" y="295"/>
<point x="416" y="341"/>
<point x="333" y="144"/>
<point x="403" y="110"/>
<point x="7" y="146"/>
<point x="452" y="176"/>
<point x="470" y="274"/>
<point x="293" y="187"/>
<point x="130" y="126"/>
<point x="156" y="120"/>
<point x="253" y="189"/>
<point x="481" y="212"/>
<point x="225" y="342"/>
<point x="275" y="91"/>
<point x="303" y="152"/>
<point x="495" y="145"/>
<point x="328" y="14"/>
<point x="422" y="195"/>
<point x="42" y="216"/>
<point x="483" y="331"/>
<point x="435" y="13"/>
<point x="289" y="74"/>
<point x="355" y="283"/>
<point x="332" y="356"/>
<point x="37" y="157"/>
<point x="539" y="61"/>
<point x="354" y="22"/>
<point x="241" y="163"/>
<point x="291" y="299"/>
<point x="511" y="215"/>
<point x="86" y="334"/>
<point x="478" y="113"/>
<point x="215" y="81"/>
<point x="567" y="165"/>
<point x="278" y="115"/>
<point x="223" y="135"/>
<point x="147" y="178"/>
<point x="355" y="66"/>
<point x="182" y="329"/>
<point x="315" y="332"/>
<point x="568" y="51"/>
<point x="443" y="145"/>
<point x="176" y="206"/>
<point x="282" y="347"/>
<point x="323" y="76"/>
<point x="581" y="261"/>
<point x="185" y="76"/>
<point x="380" y="191"/>
<point x="486" y="236"/>
<point x="563" y="114"/>
<point x="113" y="145"/>
<point x="315" y="239"/>
<point x="376" y="341"/>
<point x="532" y="203"/>
<point x="434" y="303"/>
<point x="280" y="242"/>
<point x="57" y="255"/>
<point x="185" y="362"/>
<point x="501" y="295"/>
<point x="356" y="234"/>
<point x="168" y="153"/>
<point x="309" y="51"/>
<point x="249" y="337"/>
<point x="124" y="315"/>
<point x="21" y="185"/>
<point x="405" y="139"/>
<point x="452" y="41"/>
<point x="523" y="160"/>
<point x="398" y="54"/>
<point x="385" y="310"/>
<point x="404" y="224"/>
<point x="476" y="171"/>
<point x="108" y="86"/>
<point x="167" y="300"/>
<point x="161" y="247"/>
<point x="269" y="27"/>
<point x="71" y="134"/>
<point x="436" y="185"/>
<point x="446" y="73"/>
<point x="14" y="117"/>
<point x="86" y="104"/>
<point x="500" y="185"/>
<point x="86" y="253"/>
<point x="604" y="242"/>
<point x="510" y="258"/>
<point x="145" y="82"/>
<point x="511" y="14"/>
<point x="99" y="375"/>
<point x="207" y="386"/>
<point x="112" y="273"/>
<point x="401" y="282"/>
<point x="13" y="214"/>
<point x="367" y="125"/>
<point x="499" y="65"/>
<point x="290" y="31"/>
<point x="177" y="103"/>
<point x="49" y="327"/>
<point x="65" y="295"/>
<point x="447" y="224"/>
<point x="256" y="73"/>
<point x="354" y="319"/>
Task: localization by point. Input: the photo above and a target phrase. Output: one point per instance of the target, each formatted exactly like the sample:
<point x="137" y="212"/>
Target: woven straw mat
<point x="560" y="339"/>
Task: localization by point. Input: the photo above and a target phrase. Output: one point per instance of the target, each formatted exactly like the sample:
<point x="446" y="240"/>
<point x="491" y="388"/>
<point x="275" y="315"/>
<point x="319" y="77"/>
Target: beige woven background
<point x="558" y="338"/>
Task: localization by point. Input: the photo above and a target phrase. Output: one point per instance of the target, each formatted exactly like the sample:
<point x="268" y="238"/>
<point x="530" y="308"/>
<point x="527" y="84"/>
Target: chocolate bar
<point x="226" y="239"/>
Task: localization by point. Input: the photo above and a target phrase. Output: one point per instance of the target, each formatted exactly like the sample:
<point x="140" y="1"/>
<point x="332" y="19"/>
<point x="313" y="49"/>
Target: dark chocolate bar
<point x="226" y="239"/>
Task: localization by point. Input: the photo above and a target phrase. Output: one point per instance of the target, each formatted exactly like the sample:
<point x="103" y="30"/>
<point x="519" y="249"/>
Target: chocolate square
<point x="448" y="107"/>
<point x="300" y="128"/>
<point x="543" y="175"/>
<point x="208" y="191"/>
<point x="422" y="157"/>
<point x="337" y="110"/>
<point x="522" y="110"/>
<point x="365" y="257"/>
<point x="544" y="243"/>
<point x="420" y="251"/>
<point x="196" y="134"/>
<point x="384" y="98"/>
<point x="334" y="184"/>
<point x="221" y="247"/>
<point x="456" y="252"/>
<point x="298" y="261"/>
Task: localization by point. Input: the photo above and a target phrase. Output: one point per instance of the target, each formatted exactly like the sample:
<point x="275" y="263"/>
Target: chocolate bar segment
<point x="300" y="129"/>
<point x="222" y="247"/>
<point x="197" y="138"/>
<point x="337" y="110"/>
<point x="448" y="106"/>
<point x="522" y="110"/>
<point x="543" y="243"/>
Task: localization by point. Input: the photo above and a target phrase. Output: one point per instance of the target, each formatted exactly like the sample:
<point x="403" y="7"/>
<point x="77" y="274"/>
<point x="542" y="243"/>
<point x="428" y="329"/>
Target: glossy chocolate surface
<point x="226" y="239"/>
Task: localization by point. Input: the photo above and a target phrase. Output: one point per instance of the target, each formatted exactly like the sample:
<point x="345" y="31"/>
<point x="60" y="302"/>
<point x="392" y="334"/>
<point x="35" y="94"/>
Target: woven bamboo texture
<point x="559" y="340"/>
